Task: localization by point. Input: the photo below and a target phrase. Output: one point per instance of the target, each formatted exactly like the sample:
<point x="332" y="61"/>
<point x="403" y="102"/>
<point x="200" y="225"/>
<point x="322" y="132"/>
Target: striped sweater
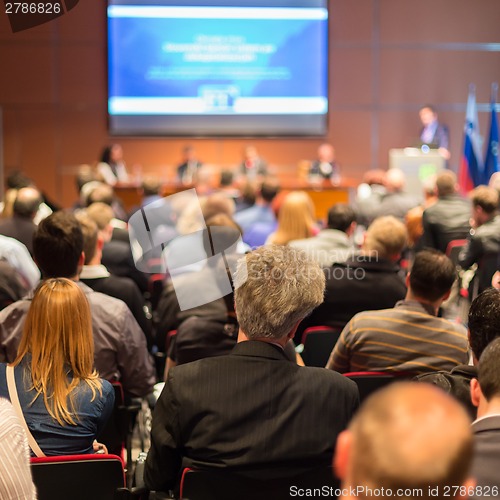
<point x="405" y="338"/>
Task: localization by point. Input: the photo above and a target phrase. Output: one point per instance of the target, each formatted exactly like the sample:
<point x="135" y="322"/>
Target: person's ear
<point x="81" y="259"/>
<point x="446" y="295"/>
<point x="407" y="280"/>
<point x="475" y="392"/>
<point x="100" y="241"/>
<point x="342" y="454"/>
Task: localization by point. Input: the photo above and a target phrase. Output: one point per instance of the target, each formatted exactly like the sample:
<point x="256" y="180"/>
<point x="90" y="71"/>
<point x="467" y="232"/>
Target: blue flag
<point x="492" y="159"/>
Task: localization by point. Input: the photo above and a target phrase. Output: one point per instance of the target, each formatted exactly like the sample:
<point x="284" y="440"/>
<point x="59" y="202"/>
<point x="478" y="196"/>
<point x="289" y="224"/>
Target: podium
<point x="417" y="165"/>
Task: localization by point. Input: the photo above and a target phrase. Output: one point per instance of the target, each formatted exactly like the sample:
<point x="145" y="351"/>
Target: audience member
<point x="21" y="226"/>
<point x="248" y="195"/>
<point x="96" y="276"/>
<point x="261" y="212"/>
<point x="484" y="326"/>
<point x="409" y="337"/>
<point x="295" y="219"/>
<point x="187" y="171"/>
<point x="17" y="180"/>
<point x="252" y="165"/>
<point x="409" y="441"/>
<point x="332" y="244"/>
<point x="84" y="175"/>
<point x="150" y="190"/>
<point x="369" y="195"/>
<point x="485" y="395"/>
<point x="116" y="252"/>
<point x="182" y="296"/>
<point x="434" y="134"/>
<point x="448" y="218"/>
<point x="365" y="282"/>
<point x="483" y="243"/>
<point x="414" y="216"/>
<point x="211" y="334"/>
<point x="325" y="165"/>
<point x="15" y="474"/>
<point x="227" y="186"/>
<point x="120" y="346"/>
<point x="237" y="426"/>
<point x="395" y="201"/>
<point x="17" y="255"/>
<point x="98" y="192"/>
<point x="63" y="401"/>
<point x="112" y="167"/>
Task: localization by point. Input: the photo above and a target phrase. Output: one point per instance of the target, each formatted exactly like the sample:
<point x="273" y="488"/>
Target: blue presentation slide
<point x="217" y="60"/>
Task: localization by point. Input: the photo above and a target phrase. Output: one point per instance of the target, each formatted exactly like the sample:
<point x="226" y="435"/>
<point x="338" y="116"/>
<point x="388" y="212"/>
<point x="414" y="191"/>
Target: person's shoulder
<point x="452" y="326"/>
<point x="107" y="389"/>
<point x="100" y="301"/>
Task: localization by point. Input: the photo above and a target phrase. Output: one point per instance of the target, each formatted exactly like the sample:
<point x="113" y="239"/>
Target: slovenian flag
<point x="471" y="165"/>
<point x="492" y="159"/>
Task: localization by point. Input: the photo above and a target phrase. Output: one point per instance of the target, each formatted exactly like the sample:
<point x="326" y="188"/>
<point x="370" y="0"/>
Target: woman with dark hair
<point x="112" y="167"/>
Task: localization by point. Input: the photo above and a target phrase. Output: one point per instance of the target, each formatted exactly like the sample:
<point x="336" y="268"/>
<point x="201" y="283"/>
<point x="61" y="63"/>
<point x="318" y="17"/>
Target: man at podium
<point x="434" y="134"/>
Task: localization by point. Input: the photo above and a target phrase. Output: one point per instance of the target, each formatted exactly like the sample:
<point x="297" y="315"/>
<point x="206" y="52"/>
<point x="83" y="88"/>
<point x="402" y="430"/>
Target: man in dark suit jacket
<point x="485" y="394"/>
<point x="483" y="243"/>
<point x="187" y="171"/>
<point x="448" y="218"/>
<point x="21" y="226"/>
<point x="254" y="412"/>
<point x="433" y="133"/>
<point x="369" y="281"/>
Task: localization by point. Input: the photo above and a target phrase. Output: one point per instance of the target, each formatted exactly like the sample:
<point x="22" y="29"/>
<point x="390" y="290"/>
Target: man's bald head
<point x="27" y="202"/>
<point x="406" y="436"/>
<point x="395" y="180"/>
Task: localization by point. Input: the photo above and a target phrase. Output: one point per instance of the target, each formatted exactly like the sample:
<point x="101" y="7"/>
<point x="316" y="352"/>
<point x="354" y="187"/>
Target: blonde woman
<point x="64" y="402"/>
<point x="295" y="219"/>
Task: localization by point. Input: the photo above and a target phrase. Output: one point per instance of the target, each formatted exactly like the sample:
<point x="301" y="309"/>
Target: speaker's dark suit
<point x="486" y="463"/>
<point x="252" y="412"/>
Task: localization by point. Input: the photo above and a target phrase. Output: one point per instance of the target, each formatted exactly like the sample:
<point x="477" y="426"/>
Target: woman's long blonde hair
<point x="295" y="218"/>
<point x="58" y="336"/>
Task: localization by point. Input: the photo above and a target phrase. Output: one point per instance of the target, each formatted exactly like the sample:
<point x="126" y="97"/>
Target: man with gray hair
<point x="253" y="415"/>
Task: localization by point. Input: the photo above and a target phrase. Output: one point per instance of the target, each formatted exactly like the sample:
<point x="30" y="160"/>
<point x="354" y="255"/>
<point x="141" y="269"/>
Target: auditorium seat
<point x="82" y="477"/>
<point x="369" y="382"/>
<point x="318" y="342"/>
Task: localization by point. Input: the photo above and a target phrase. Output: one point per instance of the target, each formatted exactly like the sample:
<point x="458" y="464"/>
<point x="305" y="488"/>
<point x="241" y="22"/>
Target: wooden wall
<point x="388" y="57"/>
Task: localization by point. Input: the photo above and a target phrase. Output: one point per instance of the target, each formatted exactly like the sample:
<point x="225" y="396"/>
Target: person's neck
<point x="434" y="304"/>
<point x="96" y="261"/>
<point x="242" y="337"/>
<point x="488" y="408"/>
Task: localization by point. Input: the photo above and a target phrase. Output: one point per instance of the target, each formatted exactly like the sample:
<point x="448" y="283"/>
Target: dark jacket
<point x="445" y="221"/>
<point x="359" y="284"/>
<point x="482" y="248"/>
<point x="456" y="383"/>
<point x="252" y="411"/>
